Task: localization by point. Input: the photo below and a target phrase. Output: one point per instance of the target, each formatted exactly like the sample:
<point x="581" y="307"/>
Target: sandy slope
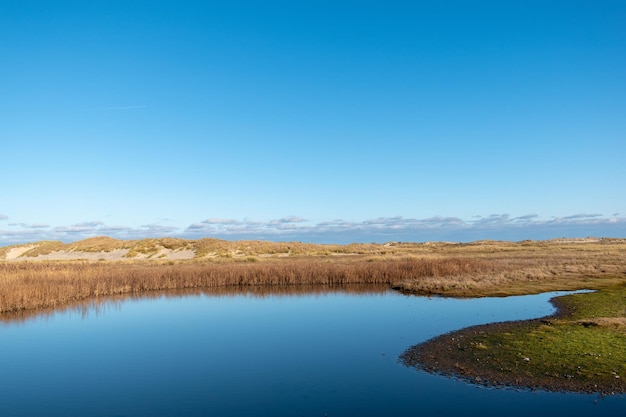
<point x="15" y="254"/>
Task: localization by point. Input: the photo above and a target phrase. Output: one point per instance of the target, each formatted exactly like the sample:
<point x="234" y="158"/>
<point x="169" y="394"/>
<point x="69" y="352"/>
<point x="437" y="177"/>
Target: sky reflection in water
<point x="258" y="354"/>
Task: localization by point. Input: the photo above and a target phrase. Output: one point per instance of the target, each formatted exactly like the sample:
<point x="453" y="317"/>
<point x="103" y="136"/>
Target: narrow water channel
<point x="317" y="352"/>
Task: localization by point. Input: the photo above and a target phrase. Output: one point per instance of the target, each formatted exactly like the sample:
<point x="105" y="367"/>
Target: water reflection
<point x="100" y="305"/>
<point x="258" y="352"/>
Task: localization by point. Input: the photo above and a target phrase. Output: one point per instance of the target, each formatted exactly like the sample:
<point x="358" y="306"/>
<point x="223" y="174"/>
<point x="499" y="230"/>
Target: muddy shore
<point x="453" y="355"/>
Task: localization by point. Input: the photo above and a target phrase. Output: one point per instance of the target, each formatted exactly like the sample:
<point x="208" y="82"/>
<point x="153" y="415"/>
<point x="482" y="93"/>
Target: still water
<point x="310" y="353"/>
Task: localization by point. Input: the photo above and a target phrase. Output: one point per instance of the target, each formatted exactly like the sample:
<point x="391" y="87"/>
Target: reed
<point x="98" y="305"/>
<point x="35" y="285"/>
<point x="486" y="268"/>
<point x="519" y="273"/>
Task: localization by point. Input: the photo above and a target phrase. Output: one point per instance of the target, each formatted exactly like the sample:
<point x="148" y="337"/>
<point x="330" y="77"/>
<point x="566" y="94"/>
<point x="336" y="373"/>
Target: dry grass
<point x="203" y="248"/>
<point x="210" y="248"/>
<point x="617" y="323"/>
<point x="97" y="305"/>
<point x="485" y="268"/>
<point x="32" y="285"/>
<point x="529" y="268"/>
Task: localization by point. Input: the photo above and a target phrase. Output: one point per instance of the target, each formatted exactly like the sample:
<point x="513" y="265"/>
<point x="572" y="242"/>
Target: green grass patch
<point x="567" y="352"/>
<point x="582" y="348"/>
<point x="609" y="302"/>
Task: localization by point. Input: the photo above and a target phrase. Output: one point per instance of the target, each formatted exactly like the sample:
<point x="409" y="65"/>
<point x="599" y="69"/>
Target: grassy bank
<point x="582" y="348"/>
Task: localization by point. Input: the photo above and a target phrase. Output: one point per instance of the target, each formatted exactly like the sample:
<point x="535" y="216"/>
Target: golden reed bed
<point x="464" y="270"/>
<point x="32" y="285"/>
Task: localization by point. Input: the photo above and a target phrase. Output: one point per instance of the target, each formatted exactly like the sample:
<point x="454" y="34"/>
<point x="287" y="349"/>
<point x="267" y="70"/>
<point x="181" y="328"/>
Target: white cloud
<point x="288" y="220"/>
<point x="221" y="221"/>
<point x="493" y="219"/>
<point x="439" y="220"/>
<point x="581" y="216"/>
<point x="29" y="226"/>
<point x="527" y="217"/>
<point x="157" y="229"/>
<point x="494" y="226"/>
<point x="73" y="229"/>
<point x="379" y="229"/>
<point x="89" y="224"/>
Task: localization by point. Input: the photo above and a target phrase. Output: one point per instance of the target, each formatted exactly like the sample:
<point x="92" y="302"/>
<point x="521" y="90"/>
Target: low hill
<point x="106" y="248"/>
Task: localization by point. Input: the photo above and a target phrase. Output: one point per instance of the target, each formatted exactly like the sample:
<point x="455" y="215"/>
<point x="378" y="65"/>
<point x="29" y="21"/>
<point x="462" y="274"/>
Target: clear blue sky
<point x="317" y="121"/>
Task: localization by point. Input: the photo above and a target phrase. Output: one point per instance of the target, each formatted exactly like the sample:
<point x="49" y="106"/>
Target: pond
<point x="310" y="352"/>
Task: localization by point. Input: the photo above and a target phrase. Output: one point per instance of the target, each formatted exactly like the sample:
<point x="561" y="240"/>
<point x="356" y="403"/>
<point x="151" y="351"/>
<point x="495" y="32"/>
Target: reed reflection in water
<point x="100" y="305"/>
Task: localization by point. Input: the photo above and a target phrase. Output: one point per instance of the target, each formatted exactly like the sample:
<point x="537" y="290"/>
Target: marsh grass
<point x="486" y="268"/>
<point x="98" y="305"/>
<point x="528" y="272"/>
<point x="32" y="285"/>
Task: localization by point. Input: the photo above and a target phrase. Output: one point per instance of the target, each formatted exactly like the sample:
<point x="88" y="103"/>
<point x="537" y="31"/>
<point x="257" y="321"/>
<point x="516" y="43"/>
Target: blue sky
<point x="311" y="120"/>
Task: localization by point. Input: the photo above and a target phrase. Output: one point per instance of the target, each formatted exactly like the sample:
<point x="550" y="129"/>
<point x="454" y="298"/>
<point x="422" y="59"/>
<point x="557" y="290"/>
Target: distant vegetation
<point x="29" y="281"/>
<point x="201" y="248"/>
<point x="563" y="349"/>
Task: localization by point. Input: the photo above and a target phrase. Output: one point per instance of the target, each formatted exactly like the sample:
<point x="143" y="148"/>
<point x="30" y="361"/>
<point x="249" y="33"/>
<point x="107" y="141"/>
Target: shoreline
<point x="452" y="355"/>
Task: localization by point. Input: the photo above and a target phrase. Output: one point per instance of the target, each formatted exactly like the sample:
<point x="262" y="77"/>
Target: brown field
<point x="473" y="269"/>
